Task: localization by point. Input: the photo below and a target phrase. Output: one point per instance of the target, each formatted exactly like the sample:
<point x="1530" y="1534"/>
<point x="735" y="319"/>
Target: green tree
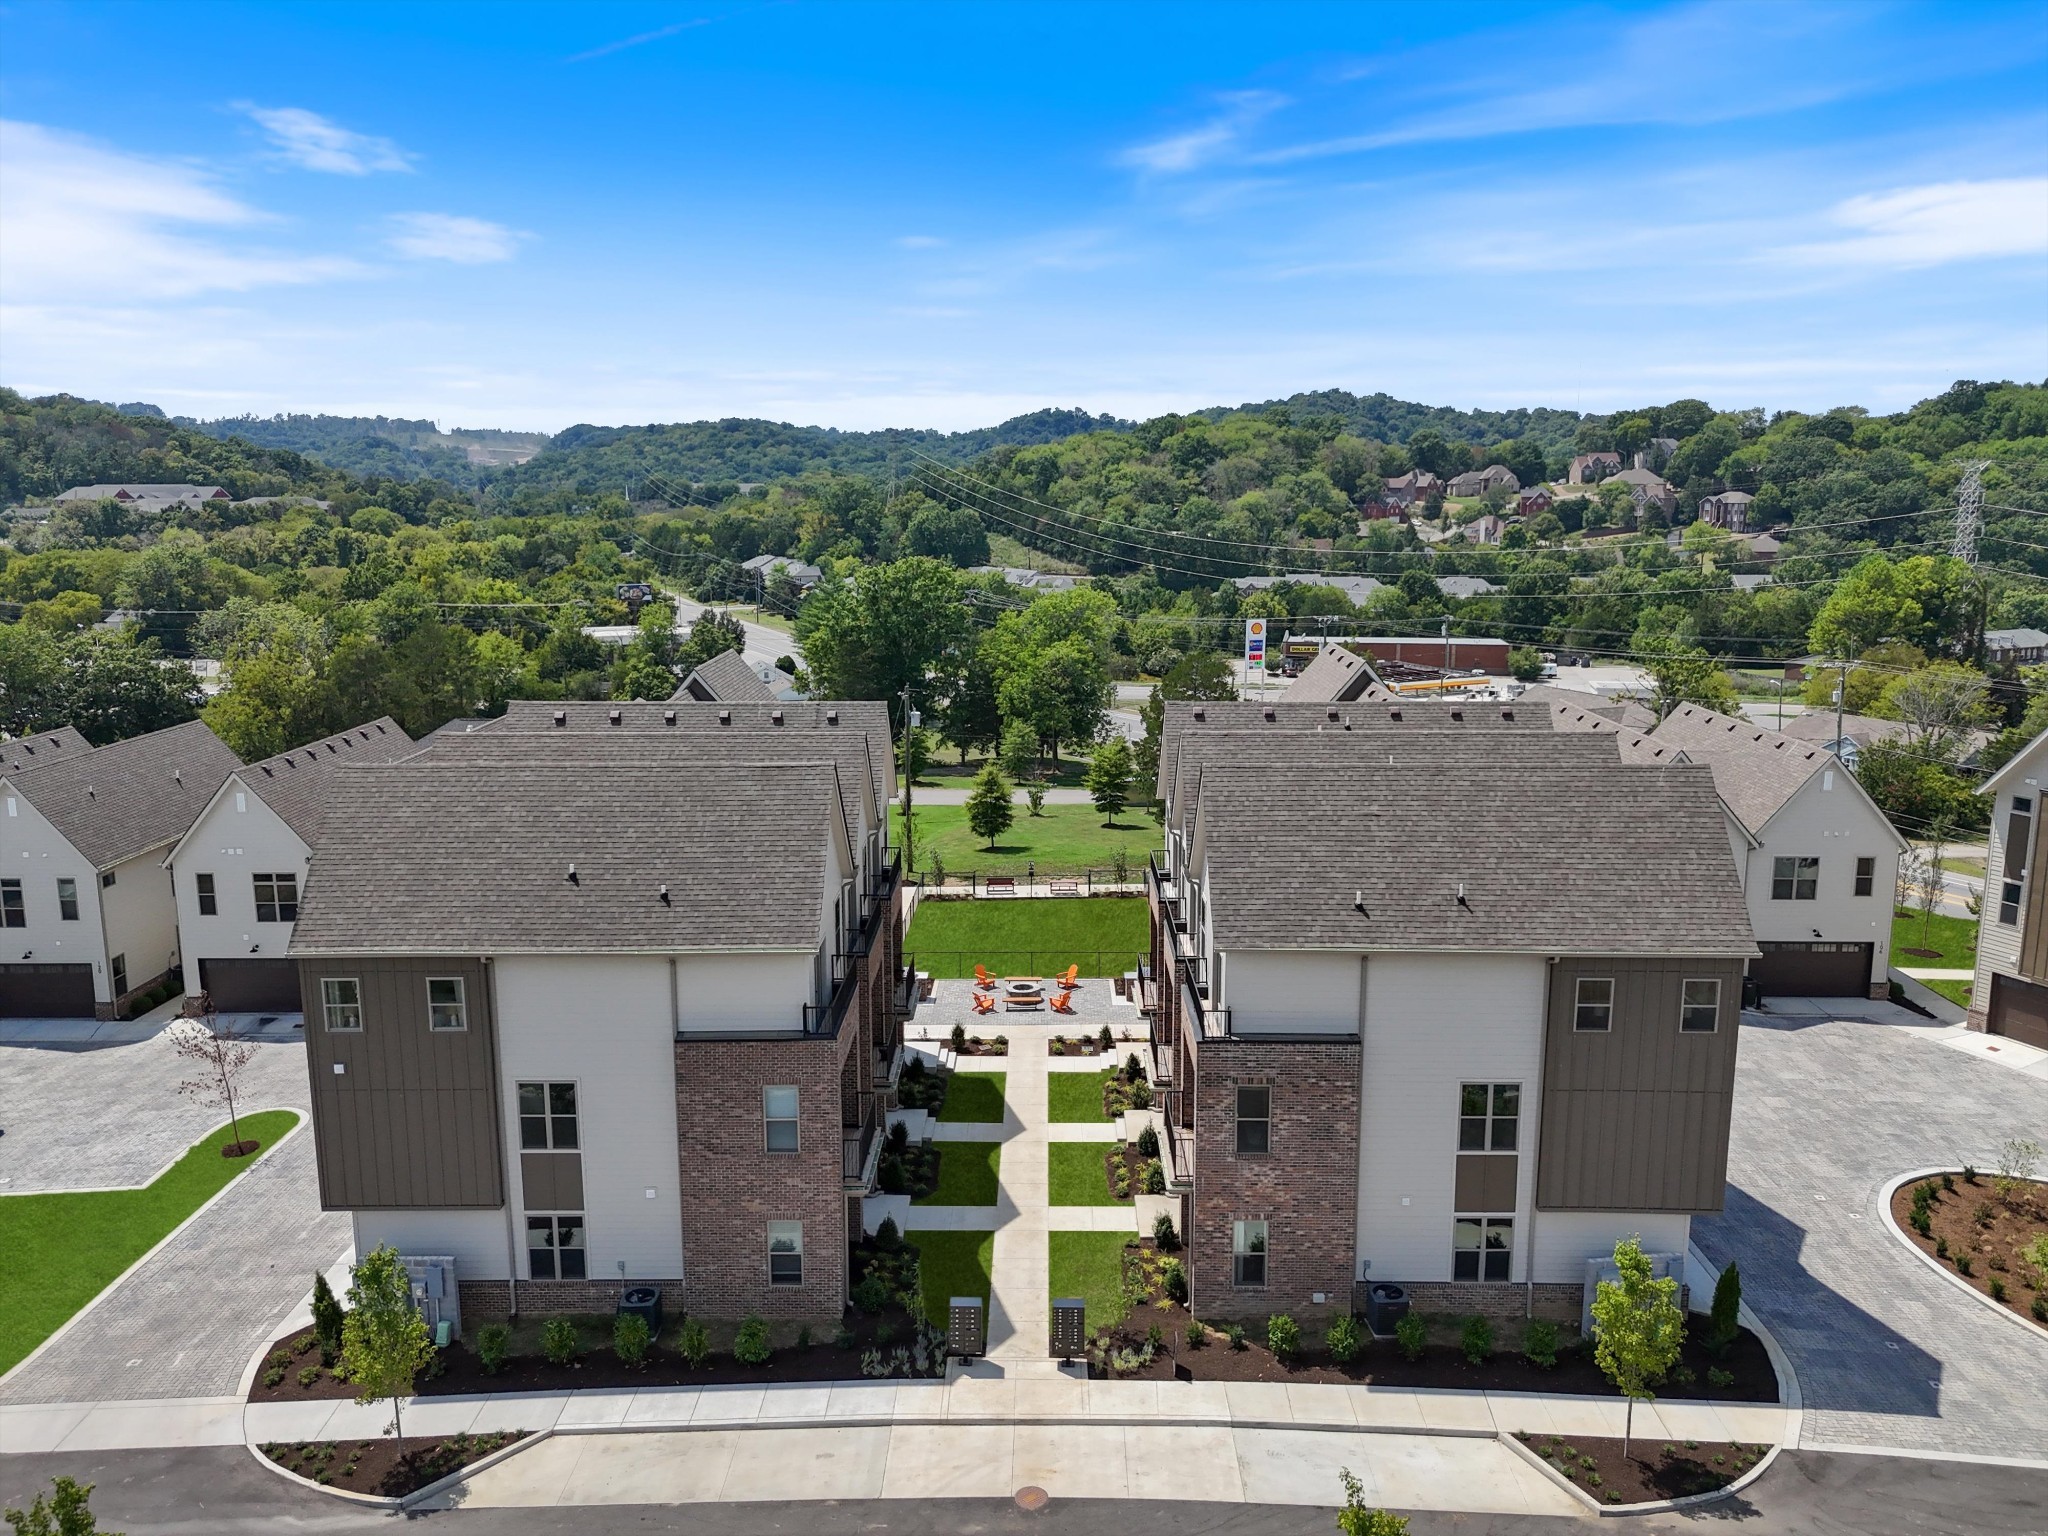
<point x="1358" y="1518"/>
<point x="1688" y="675"/>
<point x="1925" y="600"/>
<point x="1637" y="1329"/>
<point x="273" y="701"/>
<point x="66" y="1511"/>
<point x="713" y="633"/>
<point x="1019" y="752"/>
<point x="1525" y="663"/>
<point x="384" y="1340"/>
<point x="65" y="614"/>
<point x="949" y="533"/>
<point x="1938" y="702"/>
<point x="1202" y="675"/>
<point x="112" y="688"/>
<point x="1063" y="692"/>
<point x="1724" y="1322"/>
<point x="327" y="1319"/>
<point x="989" y="811"/>
<point x="900" y="626"/>
<point x="973" y="717"/>
<point x="1109" y="778"/>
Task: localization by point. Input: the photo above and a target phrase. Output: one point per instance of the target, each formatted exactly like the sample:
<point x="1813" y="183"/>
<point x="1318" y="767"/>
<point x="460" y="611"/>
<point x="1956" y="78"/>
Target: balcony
<point x="1210" y="1023"/>
<point x="1167" y="894"/>
<point x="860" y="1149"/>
<point x="877" y="906"/>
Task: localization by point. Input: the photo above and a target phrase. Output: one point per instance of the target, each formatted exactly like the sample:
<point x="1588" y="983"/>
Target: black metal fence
<point x="1014" y="964"/>
<point x="1034" y="880"/>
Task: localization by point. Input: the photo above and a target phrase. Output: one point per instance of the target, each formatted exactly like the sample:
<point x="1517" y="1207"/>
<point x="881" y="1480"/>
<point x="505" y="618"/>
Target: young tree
<point x="1358" y="1518"/>
<point x="1725" y="1320"/>
<point x="66" y="1511"/>
<point x="989" y="811"/>
<point x="1019" y="752"/>
<point x="1109" y="778"/>
<point x="1931" y="888"/>
<point x="1637" y="1329"/>
<point x="220" y="1059"/>
<point x="327" y="1320"/>
<point x="1525" y="663"/>
<point x="384" y="1340"/>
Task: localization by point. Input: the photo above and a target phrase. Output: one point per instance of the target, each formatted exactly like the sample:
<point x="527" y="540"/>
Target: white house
<point x="2010" y="995"/>
<point x="241" y="865"/>
<point x="88" y="922"/>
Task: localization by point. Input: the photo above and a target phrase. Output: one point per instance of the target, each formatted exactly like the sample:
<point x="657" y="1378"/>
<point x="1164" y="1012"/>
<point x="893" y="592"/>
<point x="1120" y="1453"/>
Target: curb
<point x="1650" y="1506"/>
<point x="418" y="1495"/>
<point x="1927" y="999"/>
<point x="1884" y="1214"/>
<point x="304" y="1119"/>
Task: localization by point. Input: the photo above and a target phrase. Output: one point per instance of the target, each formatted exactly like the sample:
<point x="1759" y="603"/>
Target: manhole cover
<point x="1032" y="1497"/>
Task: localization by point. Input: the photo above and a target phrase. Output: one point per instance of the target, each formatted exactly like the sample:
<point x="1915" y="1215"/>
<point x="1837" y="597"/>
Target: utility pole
<point x="909" y="842"/>
<point x="1841" y="702"/>
<point x="1969" y="511"/>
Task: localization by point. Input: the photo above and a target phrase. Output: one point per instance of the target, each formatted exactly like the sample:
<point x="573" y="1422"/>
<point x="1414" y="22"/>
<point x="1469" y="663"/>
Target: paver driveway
<point x="1827" y="1112"/>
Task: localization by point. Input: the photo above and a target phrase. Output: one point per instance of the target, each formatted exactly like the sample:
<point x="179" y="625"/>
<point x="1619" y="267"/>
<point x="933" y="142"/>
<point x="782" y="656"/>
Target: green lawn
<point x="967" y="1173"/>
<point x="1075" y="1174"/>
<point x="1089" y="1265"/>
<point x="1953" y="939"/>
<point x="952" y="1264"/>
<point x="1076" y="1097"/>
<point x="973" y="1098"/>
<point x="57" y="1252"/>
<point x="1066" y="839"/>
<point x="1104" y="935"/>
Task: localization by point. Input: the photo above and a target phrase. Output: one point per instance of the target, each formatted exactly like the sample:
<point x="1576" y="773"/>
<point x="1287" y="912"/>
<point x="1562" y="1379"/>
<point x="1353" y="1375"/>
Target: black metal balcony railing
<point x="1171" y="902"/>
<point x="826" y="1017"/>
<point x="1194" y="995"/>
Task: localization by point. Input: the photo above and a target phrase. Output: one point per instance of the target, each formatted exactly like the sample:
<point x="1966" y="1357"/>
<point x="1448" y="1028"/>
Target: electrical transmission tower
<point x="1970" y="510"/>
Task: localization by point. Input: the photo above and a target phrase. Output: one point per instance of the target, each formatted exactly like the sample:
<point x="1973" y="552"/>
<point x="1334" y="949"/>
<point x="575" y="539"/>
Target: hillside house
<point x="1727" y="509"/>
<point x="1592" y="468"/>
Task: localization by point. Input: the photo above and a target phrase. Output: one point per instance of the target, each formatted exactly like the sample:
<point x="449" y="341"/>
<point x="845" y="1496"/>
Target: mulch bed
<point x="1126" y="1156"/>
<point x="1972" y="1223"/>
<point x="997" y="1046"/>
<point x="375" y="1466"/>
<point x="239" y="1148"/>
<point x="921" y="1087"/>
<point x="1060" y="1045"/>
<point x="1653" y="1469"/>
<point x="913" y="1171"/>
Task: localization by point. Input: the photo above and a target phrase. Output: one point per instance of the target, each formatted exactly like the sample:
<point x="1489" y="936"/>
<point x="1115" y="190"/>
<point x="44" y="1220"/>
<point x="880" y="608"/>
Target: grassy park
<point x="1065" y="840"/>
<point x="1075" y="1098"/>
<point x="1104" y="935"/>
<point x="1075" y="1174"/>
<point x="967" y="1173"/>
<point x="973" y="1098"/>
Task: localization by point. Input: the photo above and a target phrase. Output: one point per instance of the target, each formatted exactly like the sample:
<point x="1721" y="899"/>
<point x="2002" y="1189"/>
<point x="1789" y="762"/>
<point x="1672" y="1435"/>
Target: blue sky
<point x="865" y="215"/>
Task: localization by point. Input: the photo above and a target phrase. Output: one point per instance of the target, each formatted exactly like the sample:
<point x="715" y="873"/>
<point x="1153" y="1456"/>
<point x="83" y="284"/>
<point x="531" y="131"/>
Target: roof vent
<point x="725" y="717"/>
<point x="1457" y="714"/>
<point x="776" y="716"/>
<point x="91" y="793"/>
<point x="831" y="717"/>
<point x="668" y="717"/>
<point x="1268" y="714"/>
<point x="664" y="897"/>
<point x="614" y="716"/>
<point x="572" y="875"/>
<point x="1507" y="714"/>
<point x="1393" y="714"/>
<point x="1200" y="716"/>
<point x="1358" y="905"/>
<point x="1461" y="897"/>
<point x="1333" y="714"/>
<point x="561" y="718"/>
<point x="178" y="777"/>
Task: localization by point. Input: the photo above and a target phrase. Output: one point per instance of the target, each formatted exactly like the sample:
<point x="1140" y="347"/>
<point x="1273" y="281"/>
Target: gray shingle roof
<point x="43" y="747"/>
<point x="1335" y="676"/>
<point x="2013" y="639"/>
<point x="1503" y="817"/>
<point x="727" y="677"/>
<point x="126" y="798"/>
<point x="297" y="784"/>
<point x="1757" y="770"/>
<point x="439" y="857"/>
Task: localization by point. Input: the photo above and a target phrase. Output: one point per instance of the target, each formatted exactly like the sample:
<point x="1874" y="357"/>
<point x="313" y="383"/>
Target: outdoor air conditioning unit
<point x="434" y="1293"/>
<point x="1663" y="1266"/>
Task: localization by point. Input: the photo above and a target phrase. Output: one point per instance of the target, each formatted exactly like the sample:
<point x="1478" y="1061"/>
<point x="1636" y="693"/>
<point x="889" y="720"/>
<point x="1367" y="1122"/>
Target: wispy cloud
<point x="1933" y="225"/>
<point x="452" y="237"/>
<point x="635" y="41"/>
<point x="316" y="143"/>
<point x="1196" y="147"/>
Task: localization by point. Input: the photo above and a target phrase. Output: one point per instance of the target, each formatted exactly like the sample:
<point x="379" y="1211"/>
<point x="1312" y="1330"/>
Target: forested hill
<point x="1384" y="419"/>
<point x="382" y="445"/>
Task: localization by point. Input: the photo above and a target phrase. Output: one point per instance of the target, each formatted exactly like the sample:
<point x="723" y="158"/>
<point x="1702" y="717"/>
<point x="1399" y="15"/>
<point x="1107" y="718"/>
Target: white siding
<point x="1998" y="944"/>
<point x="1566" y="1239"/>
<point x="141" y="916"/>
<point x="476" y="1239"/>
<point x="1291" y="993"/>
<point x="233" y="846"/>
<point x="723" y="993"/>
<point x="603" y="1024"/>
<point x="1836" y="826"/>
<point x="35" y="853"/>
<point x="1433" y="1023"/>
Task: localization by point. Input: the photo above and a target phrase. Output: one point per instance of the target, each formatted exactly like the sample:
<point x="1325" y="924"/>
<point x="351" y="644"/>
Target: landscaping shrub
<point x="694" y="1344"/>
<point x="1235" y="1334"/>
<point x="1941" y="1247"/>
<point x="872" y="1294"/>
<point x="327" y="1320"/>
<point x="1155" y="1177"/>
<point x="1539" y="1343"/>
<point x="1716" y="1377"/>
<point x="1162" y="1231"/>
<point x="1198" y="1333"/>
<point x="1283" y="1336"/>
<point x="1148" y="1142"/>
<point x="1141" y="1094"/>
<point x="629" y="1338"/>
<point x="803" y="1337"/>
<point x="1412" y="1334"/>
<point x="1922" y="1221"/>
<point x="558" y="1340"/>
<point x="750" y="1346"/>
<point x="493" y="1342"/>
<point x="1948" y="1183"/>
<point x="2035" y="1257"/>
<point x="959" y="1039"/>
<point x="1357" y="1518"/>
<point x="1105" y="1039"/>
<point x="1963" y="1264"/>
<point x="888" y="1236"/>
<point x="1997" y="1287"/>
<point x="1345" y="1339"/>
<point x="1969" y="1173"/>
<point x="273" y="1375"/>
<point x="309" y="1375"/>
<point x="2040" y="1309"/>
<point x="1173" y="1279"/>
<point x="899" y="1143"/>
<point x="1134" y="1068"/>
<point x="1723" y="1322"/>
<point x="1477" y="1340"/>
<point x="913" y="1069"/>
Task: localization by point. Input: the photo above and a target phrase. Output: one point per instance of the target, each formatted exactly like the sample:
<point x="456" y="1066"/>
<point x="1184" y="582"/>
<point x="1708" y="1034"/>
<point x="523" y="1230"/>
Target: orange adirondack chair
<point x="982" y="979"/>
<point x="1063" y="1003"/>
<point x="984" y="1004"/>
<point x="1069" y="978"/>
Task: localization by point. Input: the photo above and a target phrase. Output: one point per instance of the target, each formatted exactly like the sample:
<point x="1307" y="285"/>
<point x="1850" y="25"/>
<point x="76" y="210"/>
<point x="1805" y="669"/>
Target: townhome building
<point x="88" y="917"/>
<point x="239" y="868"/>
<point x="1437" y="1036"/>
<point x="602" y="995"/>
<point x="728" y="677"/>
<point x="2010" y="994"/>
<point x="17" y="752"/>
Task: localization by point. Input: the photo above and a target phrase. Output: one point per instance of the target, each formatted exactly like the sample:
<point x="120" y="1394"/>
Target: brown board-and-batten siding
<point x="1636" y="1118"/>
<point x="412" y="1121"/>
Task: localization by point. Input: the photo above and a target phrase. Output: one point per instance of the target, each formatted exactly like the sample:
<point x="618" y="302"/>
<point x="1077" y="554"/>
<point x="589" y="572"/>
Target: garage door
<point x="251" y="986"/>
<point x="46" y="992"/>
<point x="2019" y="1010"/>
<point x="1812" y="970"/>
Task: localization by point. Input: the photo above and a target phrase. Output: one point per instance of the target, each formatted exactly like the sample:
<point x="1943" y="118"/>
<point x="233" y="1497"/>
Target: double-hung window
<point x="554" y="1247"/>
<point x="779" y="1112"/>
<point x="1699" y="1005"/>
<point x="209" y="903"/>
<point x="1248" y="1253"/>
<point x="13" y="910"/>
<point x="1593" y="1004"/>
<point x="1489" y="1116"/>
<point x="341" y="1002"/>
<point x="119" y="966"/>
<point x="2019" y="836"/>
<point x="1795" y="879"/>
<point x="447" y="1003"/>
<point x="547" y="1117"/>
<point x="1482" y="1247"/>
<point x="785" y="1253"/>
<point x="1866" y="876"/>
<point x="1254" y="1119"/>
<point x="277" y="898"/>
<point x="67" y="900"/>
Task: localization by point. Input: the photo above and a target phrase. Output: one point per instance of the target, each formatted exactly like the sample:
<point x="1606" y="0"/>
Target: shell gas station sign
<point x="1255" y="644"/>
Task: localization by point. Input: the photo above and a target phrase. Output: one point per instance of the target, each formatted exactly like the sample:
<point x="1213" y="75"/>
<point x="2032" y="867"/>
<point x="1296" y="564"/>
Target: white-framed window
<point x="277" y="898"/>
<point x="1489" y="1116"/>
<point x="67" y="900"/>
<point x="1593" y="1004"/>
<point x="1482" y="1247"/>
<point x="209" y="902"/>
<point x="1254" y="1119"/>
<point x="554" y="1247"/>
<point x="447" y="1003"/>
<point x="779" y="1116"/>
<point x="119" y="966"/>
<point x="1248" y="1253"/>
<point x="1866" y="876"/>
<point x="107" y="880"/>
<point x="785" y="1253"/>
<point x="1795" y="879"/>
<point x="1699" y="1005"/>
<point x="2019" y="835"/>
<point x="341" y="1002"/>
<point x="547" y="1117"/>
<point x="13" y="906"/>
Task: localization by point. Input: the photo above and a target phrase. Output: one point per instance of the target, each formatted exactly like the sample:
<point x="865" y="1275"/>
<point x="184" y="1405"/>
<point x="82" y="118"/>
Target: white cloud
<point x="317" y="143"/>
<point x="1932" y="225"/>
<point x="81" y="222"/>
<point x="451" y="237"/>
<point x="1198" y="146"/>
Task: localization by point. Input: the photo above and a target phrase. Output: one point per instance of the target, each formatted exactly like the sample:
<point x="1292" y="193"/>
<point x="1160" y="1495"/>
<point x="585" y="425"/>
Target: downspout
<point x="1542" y="1055"/>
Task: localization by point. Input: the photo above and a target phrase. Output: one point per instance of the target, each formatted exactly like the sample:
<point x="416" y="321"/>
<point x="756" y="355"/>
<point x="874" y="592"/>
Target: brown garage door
<point x="2019" y="1010"/>
<point x="46" y="992"/>
<point x="251" y="986"/>
<point x="1812" y="970"/>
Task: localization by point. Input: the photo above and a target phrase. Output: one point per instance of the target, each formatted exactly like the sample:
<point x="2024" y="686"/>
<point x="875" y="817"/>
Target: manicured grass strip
<point x="1088" y="1265"/>
<point x="57" y="1252"/>
<point x="1076" y="1097"/>
<point x="1957" y="992"/>
<point x="1076" y="1175"/>
<point x="967" y="1173"/>
<point x="1104" y="935"/>
<point x="1953" y="940"/>
<point x="973" y="1098"/>
<point x="1066" y="840"/>
<point x="952" y="1264"/>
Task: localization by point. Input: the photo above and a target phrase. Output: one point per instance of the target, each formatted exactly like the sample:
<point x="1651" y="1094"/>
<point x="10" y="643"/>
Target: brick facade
<point x="1503" y="1301"/>
<point x="1305" y="1189"/>
<point x="489" y="1301"/>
